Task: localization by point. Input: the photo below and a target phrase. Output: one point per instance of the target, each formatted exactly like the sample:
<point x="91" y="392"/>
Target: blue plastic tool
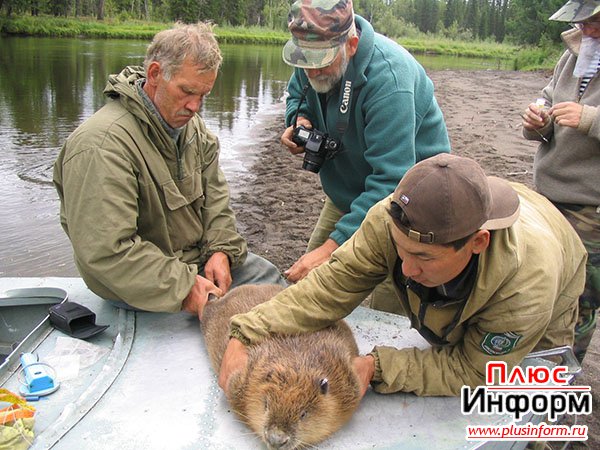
<point x="39" y="380"/>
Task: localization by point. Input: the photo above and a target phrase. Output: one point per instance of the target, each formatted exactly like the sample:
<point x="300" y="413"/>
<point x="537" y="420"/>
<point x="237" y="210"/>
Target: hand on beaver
<point x="364" y="367"/>
<point x="218" y="270"/>
<point x="235" y="358"/>
<point x="198" y="296"/>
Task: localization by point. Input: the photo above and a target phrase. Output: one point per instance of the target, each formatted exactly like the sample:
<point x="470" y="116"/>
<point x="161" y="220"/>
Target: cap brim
<point x="308" y="58"/>
<point x="504" y="207"/>
<point x="572" y="12"/>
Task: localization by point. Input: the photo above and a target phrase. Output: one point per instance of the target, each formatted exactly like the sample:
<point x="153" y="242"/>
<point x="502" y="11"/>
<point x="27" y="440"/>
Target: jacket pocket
<point x="184" y="192"/>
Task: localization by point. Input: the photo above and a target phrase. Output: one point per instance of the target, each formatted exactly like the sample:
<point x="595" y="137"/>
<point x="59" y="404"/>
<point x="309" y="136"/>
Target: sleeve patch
<point x="499" y="343"/>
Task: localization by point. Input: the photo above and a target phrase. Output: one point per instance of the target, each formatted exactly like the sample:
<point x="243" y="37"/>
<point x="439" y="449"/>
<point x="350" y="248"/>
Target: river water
<point x="49" y="86"/>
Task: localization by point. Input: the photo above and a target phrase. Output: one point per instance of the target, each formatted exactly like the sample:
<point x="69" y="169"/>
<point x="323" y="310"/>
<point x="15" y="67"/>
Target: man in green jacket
<point x="143" y="199"/>
<point x="369" y="93"/>
<point x="486" y="270"/>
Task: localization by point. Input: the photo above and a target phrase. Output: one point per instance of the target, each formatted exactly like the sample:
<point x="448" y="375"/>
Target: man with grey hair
<point x="371" y="95"/>
<point x="566" y="122"/>
<point x="143" y="199"/>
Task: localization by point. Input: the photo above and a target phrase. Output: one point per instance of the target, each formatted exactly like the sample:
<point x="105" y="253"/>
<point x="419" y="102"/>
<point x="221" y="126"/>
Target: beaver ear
<point x="324" y="385"/>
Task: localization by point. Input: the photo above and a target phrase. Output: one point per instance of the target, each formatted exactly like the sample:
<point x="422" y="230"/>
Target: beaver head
<point x="296" y="398"/>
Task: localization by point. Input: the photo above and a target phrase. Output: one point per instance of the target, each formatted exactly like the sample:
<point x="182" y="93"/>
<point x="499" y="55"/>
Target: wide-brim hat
<point x="577" y="11"/>
<point x="448" y="197"/>
<point x="318" y="28"/>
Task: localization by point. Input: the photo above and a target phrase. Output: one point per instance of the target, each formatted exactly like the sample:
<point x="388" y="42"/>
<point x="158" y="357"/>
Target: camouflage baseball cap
<point x="577" y="10"/>
<point x="319" y="28"/>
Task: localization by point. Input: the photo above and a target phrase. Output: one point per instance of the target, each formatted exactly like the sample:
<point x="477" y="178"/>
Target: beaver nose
<point x="276" y="438"/>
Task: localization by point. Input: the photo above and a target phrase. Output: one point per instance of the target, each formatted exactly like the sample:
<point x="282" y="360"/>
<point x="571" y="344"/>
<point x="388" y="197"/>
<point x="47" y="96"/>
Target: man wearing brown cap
<point x="367" y="93"/>
<point x="485" y="270"/>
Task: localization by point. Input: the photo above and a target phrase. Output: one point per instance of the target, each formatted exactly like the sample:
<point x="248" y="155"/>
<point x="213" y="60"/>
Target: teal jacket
<point x="394" y="122"/>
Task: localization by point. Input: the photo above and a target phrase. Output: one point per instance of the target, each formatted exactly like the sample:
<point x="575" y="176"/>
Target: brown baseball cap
<point x="448" y="197"/>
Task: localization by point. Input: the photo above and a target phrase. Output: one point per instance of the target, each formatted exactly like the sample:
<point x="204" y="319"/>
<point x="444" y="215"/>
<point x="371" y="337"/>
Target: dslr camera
<point x="318" y="147"/>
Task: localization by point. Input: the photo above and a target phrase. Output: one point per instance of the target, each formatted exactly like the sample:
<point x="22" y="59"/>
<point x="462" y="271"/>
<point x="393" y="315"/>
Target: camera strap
<point x="302" y="97"/>
<point x="346" y="88"/>
<point x="345" y="103"/>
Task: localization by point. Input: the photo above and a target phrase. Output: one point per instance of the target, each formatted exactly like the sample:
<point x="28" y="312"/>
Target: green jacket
<point x="394" y="122"/>
<point x="525" y="295"/>
<point x="142" y="213"/>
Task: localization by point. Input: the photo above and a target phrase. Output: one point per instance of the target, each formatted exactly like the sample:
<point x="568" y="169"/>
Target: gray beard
<point x="324" y="84"/>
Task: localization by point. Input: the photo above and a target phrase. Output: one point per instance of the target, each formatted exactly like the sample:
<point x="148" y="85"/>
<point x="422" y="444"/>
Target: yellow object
<point x="16" y="421"/>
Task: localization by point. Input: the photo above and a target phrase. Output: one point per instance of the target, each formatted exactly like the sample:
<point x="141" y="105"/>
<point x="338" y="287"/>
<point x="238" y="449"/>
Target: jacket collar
<point x="361" y="58"/>
<point x="454" y="291"/>
<point x="572" y="39"/>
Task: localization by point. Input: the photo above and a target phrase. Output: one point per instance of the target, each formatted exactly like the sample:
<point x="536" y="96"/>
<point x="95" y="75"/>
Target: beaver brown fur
<point x="295" y="390"/>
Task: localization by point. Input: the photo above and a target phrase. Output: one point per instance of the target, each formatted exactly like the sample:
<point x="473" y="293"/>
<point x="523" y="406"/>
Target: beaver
<point x="295" y="390"/>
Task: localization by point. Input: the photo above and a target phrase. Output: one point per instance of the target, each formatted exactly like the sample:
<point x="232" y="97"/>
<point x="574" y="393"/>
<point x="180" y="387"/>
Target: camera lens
<point x="311" y="166"/>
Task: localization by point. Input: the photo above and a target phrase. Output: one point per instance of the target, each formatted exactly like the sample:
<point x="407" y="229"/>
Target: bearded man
<point x="369" y="94"/>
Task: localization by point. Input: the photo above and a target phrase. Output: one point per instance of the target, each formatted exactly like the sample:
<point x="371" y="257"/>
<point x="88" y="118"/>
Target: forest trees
<point x="518" y="21"/>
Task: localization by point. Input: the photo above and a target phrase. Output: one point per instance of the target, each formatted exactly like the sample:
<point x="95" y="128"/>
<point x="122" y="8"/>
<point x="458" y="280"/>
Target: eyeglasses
<point x="581" y="25"/>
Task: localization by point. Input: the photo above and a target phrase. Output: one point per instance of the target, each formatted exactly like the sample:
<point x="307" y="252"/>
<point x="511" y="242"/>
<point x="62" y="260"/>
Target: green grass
<point x="537" y="58"/>
<point x="523" y="58"/>
<point x="440" y="46"/>
<point x="114" y="29"/>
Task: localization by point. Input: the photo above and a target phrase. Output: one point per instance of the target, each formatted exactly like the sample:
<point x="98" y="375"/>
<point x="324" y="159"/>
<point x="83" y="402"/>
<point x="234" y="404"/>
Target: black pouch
<point x="75" y="320"/>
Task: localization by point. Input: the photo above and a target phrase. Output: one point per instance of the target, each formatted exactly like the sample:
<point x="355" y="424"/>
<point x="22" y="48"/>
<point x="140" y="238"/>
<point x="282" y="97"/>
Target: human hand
<point x="567" y="114"/>
<point x="218" y="271"/>
<point x="235" y="358"/>
<point x="534" y="117"/>
<point x="310" y="260"/>
<point x="286" y="137"/>
<point x="364" y="366"/>
<point x="198" y="297"/>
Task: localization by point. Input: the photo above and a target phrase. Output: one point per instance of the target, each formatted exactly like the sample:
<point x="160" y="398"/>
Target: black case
<point x="75" y="320"/>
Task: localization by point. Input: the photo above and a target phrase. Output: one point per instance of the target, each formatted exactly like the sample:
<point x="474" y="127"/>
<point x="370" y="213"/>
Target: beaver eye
<point x="324" y="385"/>
<point x="303" y="415"/>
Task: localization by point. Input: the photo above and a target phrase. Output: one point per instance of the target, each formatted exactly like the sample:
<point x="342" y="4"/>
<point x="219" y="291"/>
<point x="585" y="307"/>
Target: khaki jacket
<point x="526" y="291"/>
<point x="142" y="213"/>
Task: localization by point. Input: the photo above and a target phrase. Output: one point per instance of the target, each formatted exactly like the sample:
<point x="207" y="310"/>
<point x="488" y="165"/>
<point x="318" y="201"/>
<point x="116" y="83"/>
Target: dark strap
<point x="346" y="91"/>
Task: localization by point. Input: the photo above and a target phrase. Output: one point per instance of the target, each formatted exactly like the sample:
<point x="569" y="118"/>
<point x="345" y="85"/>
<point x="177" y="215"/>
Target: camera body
<point x="318" y="147"/>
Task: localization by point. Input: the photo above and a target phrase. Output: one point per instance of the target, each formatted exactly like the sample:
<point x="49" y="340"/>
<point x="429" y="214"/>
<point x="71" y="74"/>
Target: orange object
<point x="18" y="408"/>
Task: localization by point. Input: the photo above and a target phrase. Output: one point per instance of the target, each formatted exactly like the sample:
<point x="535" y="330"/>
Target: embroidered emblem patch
<point x="499" y="343"/>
